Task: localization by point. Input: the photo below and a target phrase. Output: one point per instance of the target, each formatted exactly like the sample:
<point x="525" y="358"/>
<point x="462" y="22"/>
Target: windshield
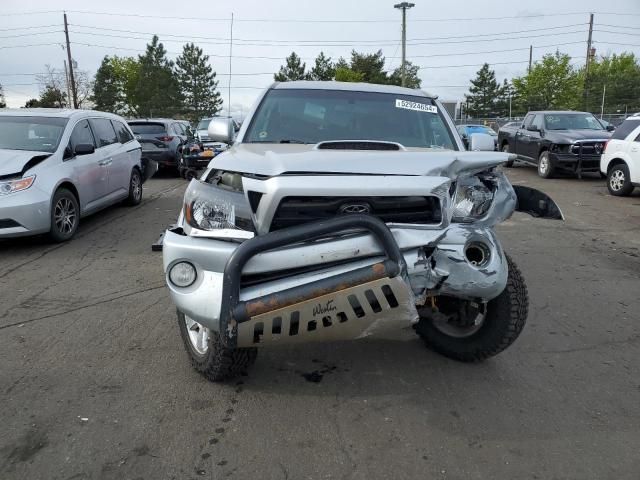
<point x="481" y="129"/>
<point x="572" y="121"/>
<point x="204" y="124"/>
<point x="37" y="134"/>
<point x="313" y="116"/>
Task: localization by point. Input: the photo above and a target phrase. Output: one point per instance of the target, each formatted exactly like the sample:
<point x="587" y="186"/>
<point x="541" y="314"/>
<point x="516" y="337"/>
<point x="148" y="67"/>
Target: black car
<point x="557" y="140"/>
<point x="161" y="139"/>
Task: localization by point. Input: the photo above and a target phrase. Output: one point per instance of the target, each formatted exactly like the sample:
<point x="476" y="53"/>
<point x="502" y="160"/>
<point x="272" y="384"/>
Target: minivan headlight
<point x="13" y="186"/>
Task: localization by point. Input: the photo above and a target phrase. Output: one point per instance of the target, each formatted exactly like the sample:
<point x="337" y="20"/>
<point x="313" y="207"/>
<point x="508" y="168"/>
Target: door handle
<point x="634" y="149"/>
<point x="106" y="162"/>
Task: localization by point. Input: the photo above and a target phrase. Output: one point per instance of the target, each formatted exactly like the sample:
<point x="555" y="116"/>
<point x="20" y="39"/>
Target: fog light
<point x="182" y="274"/>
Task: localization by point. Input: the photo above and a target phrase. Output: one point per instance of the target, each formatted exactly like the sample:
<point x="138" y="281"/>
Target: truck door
<point x="534" y="138"/>
<point x="522" y="138"/>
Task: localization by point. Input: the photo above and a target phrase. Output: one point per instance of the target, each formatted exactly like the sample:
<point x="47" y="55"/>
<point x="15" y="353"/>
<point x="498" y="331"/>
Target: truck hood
<point x="17" y="162"/>
<point x="274" y="159"/>
<point x="570" y="136"/>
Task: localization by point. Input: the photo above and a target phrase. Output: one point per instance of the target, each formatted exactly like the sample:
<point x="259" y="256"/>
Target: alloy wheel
<point x="65" y="216"/>
<point x="198" y="335"/>
<point x="136" y="186"/>
<point x="617" y="180"/>
<point x="544" y="164"/>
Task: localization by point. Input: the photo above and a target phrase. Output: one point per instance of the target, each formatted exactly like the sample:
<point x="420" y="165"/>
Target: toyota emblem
<point x="355" y="208"/>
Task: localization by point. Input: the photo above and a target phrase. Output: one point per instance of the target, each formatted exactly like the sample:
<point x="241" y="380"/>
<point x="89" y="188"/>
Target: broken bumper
<point x="307" y="289"/>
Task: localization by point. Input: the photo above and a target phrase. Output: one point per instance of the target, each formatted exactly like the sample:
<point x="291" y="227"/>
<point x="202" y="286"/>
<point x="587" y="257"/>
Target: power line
<point x="616" y="26"/>
<point x="493" y="51"/>
<point x="30" y="34"/>
<point x="28" y="28"/>
<point x="262" y="40"/>
<point x="618" y="33"/>
<point x="480" y="64"/>
<point x="33" y="45"/>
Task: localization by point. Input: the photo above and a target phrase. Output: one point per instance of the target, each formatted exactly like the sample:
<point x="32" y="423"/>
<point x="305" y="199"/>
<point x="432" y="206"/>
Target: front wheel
<point x="209" y="355"/>
<point x="505" y="149"/>
<point x="471" y="332"/>
<point x="545" y="166"/>
<point x="65" y="215"/>
<point x="619" y="180"/>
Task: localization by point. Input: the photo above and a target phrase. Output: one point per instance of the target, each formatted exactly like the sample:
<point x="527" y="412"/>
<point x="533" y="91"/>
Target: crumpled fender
<point x="536" y="203"/>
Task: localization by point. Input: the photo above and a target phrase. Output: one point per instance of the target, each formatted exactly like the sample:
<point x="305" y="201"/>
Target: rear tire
<point x="504" y="319"/>
<point x="65" y="216"/>
<point x="209" y="356"/>
<point x="135" y="188"/>
<point x="545" y="166"/>
<point x="505" y="149"/>
<point x="619" y="180"/>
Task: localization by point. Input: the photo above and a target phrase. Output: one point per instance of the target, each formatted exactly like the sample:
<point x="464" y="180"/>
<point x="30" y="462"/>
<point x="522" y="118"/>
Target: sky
<point x="449" y="39"/>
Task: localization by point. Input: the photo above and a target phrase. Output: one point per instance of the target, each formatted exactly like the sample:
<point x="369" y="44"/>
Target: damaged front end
<point x="272" y="265"/>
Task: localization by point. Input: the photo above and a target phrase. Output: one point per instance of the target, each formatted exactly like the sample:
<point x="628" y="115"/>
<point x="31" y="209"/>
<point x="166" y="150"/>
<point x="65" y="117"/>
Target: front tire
<point x="619" y="180"/>
<point x="209" y="356"/>
<point x="545" y="166"/>
<point x="503" y="319"/>
<point x="65" y="216"/>
<point x="505" y="149"/>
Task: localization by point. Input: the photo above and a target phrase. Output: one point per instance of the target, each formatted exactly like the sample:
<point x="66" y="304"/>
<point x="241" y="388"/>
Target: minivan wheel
<point x="65" y="216"/>
<point x="471" y="332"/>
<point x="209" y="355"/>
<point x="135" y="188"/>
<point x="619" y="181"/>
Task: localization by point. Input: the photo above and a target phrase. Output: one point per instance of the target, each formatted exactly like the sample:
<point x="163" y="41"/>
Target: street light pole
<point x="404" y="6"/>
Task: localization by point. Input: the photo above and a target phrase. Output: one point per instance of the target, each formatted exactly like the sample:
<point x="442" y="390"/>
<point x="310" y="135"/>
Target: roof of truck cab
<point x="350" y="86"/>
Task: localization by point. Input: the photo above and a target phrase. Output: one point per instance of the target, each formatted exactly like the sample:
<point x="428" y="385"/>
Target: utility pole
<point x="66" y="78"/>
<point x="230" y="56"/>
<point x="404" y="6"/>
<point x="73" y="82"/>
<point x="530" y="58"/>
<point x="586" y="66"/>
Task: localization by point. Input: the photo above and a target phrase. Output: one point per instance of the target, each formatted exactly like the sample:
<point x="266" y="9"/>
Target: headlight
<point x="216" y="210"/>
<point x="471" y="202"/>
<point x="182" y="274"/>
<point x="13" y="186"/>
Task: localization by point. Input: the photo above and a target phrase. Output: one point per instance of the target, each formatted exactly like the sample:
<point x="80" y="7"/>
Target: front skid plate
<point x="360" y="311"/>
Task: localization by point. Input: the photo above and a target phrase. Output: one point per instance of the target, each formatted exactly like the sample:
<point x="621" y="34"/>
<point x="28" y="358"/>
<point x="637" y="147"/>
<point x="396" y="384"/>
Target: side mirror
<point x="84" y="149"/>
<point x="533" y="128"/>
<point x="610" y="128"/>
<point x="481" y="142"/>
<point x="221" y="130"/>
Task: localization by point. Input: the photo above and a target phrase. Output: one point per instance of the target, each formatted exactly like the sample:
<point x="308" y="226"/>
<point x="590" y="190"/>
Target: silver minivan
<point x="57" y="166"/>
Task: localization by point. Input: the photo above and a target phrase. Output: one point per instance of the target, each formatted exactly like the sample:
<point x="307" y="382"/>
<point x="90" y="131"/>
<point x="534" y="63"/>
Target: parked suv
<point x="161" y="140"/>
<point x="57" y="166"/>
<point x="344" y="210"/>
<point x="620" y="161"/>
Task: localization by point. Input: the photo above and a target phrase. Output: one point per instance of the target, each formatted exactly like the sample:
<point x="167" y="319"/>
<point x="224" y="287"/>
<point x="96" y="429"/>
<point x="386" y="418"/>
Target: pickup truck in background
<point x="556" y="140"/>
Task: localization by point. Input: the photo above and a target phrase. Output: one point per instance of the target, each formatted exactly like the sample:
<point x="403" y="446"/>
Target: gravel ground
<point x="94" y="382"/>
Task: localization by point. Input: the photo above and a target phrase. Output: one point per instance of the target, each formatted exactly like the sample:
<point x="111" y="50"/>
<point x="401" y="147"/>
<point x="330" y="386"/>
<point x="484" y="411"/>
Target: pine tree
<point x="293" y="70"/>
<point x="483" y="93"/>
<point x="323" y="69"/>
<point x="370" y="65"/>
<point x="157" y="92"/>
<point x="198" y="85"/>
<point x="3" y="103"/>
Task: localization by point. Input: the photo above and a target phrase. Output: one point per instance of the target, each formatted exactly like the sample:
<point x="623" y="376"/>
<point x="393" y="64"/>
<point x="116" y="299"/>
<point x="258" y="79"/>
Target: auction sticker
<point x="420" y="107"/>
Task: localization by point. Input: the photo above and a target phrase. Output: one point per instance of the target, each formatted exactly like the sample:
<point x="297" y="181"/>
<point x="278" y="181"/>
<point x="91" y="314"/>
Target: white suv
<point x="621" y="158"/>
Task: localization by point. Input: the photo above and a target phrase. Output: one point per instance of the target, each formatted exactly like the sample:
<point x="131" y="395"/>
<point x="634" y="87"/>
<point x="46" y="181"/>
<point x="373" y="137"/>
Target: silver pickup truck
<point x="345" y="210"/>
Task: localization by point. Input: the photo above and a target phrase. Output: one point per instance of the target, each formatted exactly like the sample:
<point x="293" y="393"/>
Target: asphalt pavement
<point x="95" y="384"/>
